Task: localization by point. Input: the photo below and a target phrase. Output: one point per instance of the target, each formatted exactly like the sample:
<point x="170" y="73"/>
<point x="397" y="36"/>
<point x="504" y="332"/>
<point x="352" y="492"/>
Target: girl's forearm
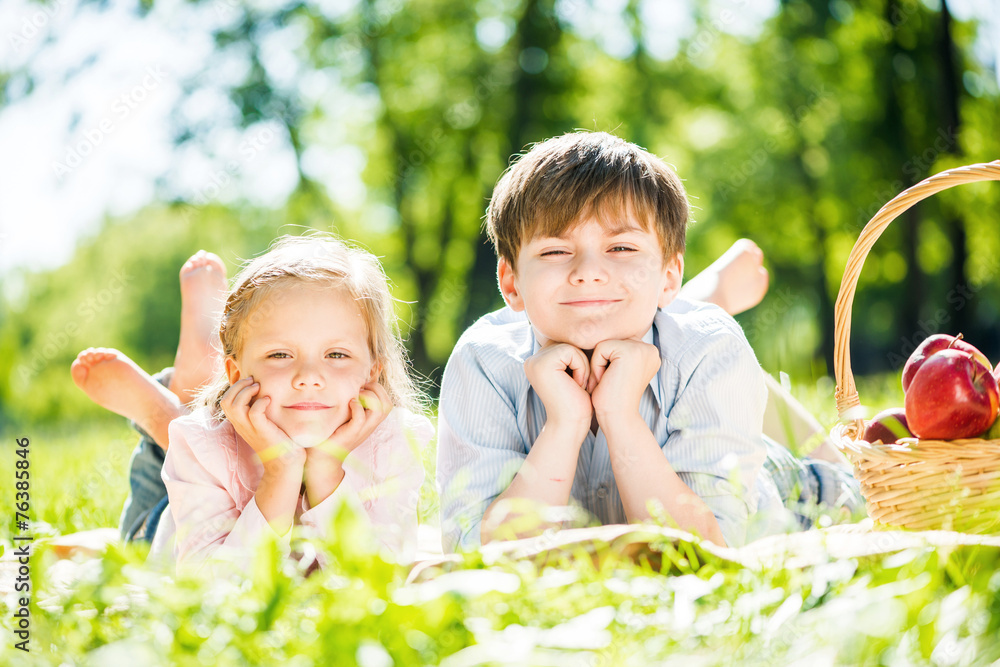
<point x="278" y="494"/>
<point x="643" y="473"/>
<point x="323" y="474"/>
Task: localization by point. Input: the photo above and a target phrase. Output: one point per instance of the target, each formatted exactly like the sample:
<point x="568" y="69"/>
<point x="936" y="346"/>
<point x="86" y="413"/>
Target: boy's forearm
<point x="643" y="473"/>
<point x="545" y="480"/>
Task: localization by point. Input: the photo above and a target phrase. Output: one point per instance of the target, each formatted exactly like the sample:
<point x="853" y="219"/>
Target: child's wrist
<point x="287" y="463"/>
<point x="614" y="420"/>
<point x="323" y="463"/>
<point x="568" y="428"/>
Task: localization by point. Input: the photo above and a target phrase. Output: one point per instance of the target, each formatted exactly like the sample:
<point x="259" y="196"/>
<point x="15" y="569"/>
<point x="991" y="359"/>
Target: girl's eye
<point x="337" y="355"/>
<point x="278" y="355"/>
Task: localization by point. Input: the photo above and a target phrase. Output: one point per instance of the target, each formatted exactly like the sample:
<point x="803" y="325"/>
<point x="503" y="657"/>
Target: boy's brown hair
<point x="560" y="180"/>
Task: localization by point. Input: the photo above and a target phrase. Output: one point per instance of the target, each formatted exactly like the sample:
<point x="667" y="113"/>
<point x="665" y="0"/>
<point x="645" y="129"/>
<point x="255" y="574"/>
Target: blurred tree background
<point x="790" y="125"/>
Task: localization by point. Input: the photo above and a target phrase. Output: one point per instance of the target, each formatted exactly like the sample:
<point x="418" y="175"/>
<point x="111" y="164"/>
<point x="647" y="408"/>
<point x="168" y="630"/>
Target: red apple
<point x="951" y="396"/>
<point x="932" y="345"/>
<point x="888" y="426"/>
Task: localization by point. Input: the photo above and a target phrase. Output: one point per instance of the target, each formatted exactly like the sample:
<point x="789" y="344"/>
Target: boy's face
<point x="593" y="283"/>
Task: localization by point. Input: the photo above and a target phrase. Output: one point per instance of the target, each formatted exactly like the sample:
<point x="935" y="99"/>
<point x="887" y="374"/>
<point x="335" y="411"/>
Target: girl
<point x="314" y="408"/>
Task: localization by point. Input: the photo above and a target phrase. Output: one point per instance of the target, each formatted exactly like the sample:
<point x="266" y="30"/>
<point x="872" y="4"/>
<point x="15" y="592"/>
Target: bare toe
<point x="203" y="260"/>
<point x="79" y="370"/>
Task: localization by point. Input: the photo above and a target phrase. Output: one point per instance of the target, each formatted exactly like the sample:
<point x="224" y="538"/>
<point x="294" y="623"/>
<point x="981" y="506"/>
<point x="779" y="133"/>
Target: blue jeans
<point x="147" y="493"/>
<point x="811" y="488"/>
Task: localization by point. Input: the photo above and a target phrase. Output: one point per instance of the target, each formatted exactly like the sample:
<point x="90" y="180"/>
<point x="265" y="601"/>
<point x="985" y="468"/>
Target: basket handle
<point x="847" y="392"/>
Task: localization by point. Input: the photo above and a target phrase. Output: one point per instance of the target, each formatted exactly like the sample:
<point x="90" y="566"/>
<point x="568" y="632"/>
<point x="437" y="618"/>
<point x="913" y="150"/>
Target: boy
<point x="585" y="388"/>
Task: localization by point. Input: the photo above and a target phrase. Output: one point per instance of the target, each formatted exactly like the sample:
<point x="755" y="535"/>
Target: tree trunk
<point x="895" y="133"/>
<point x="962" y="316"/>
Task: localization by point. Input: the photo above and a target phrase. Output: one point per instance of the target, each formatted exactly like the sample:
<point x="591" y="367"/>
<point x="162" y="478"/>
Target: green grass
<point x="921" y="605"/>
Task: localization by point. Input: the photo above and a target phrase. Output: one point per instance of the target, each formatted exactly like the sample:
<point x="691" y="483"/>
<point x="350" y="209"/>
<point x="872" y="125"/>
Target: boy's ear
<point x="673" y="276"/>
<point x="232" y="370"/>
<point x="508" y="285"/>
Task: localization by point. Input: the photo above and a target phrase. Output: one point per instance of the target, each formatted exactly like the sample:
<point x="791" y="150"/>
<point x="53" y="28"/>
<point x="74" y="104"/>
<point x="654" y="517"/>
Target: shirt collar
<point x="651" y="336"/>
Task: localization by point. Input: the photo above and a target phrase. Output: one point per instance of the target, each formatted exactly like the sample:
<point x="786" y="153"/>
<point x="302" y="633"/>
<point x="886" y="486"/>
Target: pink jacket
<point x="211" y="474"/>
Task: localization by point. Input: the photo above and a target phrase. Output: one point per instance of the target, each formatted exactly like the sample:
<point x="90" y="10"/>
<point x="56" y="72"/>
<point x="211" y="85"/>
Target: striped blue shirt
<point x="704" y="406"/>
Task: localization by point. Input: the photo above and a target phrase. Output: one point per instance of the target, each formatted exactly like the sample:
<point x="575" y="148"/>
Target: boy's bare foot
<point x="203" y="294"/>
<point x="736" y="281"/>
<point x="115" y="382"/>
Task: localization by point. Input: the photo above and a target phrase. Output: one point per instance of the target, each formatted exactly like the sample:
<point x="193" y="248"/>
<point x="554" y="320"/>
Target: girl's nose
<point x="308" y="375"/>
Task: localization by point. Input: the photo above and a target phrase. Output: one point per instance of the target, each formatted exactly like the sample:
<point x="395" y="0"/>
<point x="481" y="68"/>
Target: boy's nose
<point x="588" y="269"/>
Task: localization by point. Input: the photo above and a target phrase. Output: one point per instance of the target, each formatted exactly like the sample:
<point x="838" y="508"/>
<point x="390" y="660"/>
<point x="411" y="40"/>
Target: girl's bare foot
<point x="115" y="382"/>
<point x="736" y="281"/>
<point x="203" y="295"/>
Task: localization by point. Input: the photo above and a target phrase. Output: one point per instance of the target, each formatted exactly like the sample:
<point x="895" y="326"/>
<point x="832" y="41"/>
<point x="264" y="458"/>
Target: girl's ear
<point x="673" y="275"/>
<point x="376" y="371"/>
<point x="232" y="370"/>
<point x="508" y="285"/>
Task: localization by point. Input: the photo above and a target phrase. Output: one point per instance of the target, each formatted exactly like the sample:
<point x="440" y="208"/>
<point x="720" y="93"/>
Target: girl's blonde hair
<point x="324" y="261"/>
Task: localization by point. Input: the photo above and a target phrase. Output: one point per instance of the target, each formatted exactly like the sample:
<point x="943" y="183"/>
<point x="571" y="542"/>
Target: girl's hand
<point x="324" y="463"/>
<point x="273" y="446"/>
<point x="367" y="412"/>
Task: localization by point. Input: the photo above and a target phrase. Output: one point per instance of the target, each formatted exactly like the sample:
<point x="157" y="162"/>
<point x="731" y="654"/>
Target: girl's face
<point x="307" y="346"/>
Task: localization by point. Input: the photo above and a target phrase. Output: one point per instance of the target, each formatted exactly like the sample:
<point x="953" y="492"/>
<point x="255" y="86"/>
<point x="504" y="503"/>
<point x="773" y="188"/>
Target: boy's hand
<point x="621" y="371"/>
<point x="560" y="374"/>
<point x="272" y="445"/>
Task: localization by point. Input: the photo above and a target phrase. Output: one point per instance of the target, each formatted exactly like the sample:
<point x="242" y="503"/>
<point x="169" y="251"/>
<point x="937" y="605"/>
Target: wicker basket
<point x="918" y="484"/>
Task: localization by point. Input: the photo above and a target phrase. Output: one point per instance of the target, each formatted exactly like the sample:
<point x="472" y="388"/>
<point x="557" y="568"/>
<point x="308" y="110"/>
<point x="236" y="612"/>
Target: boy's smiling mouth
<point x="591" y="302"/>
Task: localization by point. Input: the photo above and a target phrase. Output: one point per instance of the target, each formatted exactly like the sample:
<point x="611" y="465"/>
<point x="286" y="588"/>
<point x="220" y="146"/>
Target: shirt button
<point x="602" y="492"/>
<point x="368" y="504"/>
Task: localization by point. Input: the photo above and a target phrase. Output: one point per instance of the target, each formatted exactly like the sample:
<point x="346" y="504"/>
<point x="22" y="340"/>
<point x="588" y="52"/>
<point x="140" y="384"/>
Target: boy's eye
<point x="621" y="248"/>
<point x="546" y="253"/>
